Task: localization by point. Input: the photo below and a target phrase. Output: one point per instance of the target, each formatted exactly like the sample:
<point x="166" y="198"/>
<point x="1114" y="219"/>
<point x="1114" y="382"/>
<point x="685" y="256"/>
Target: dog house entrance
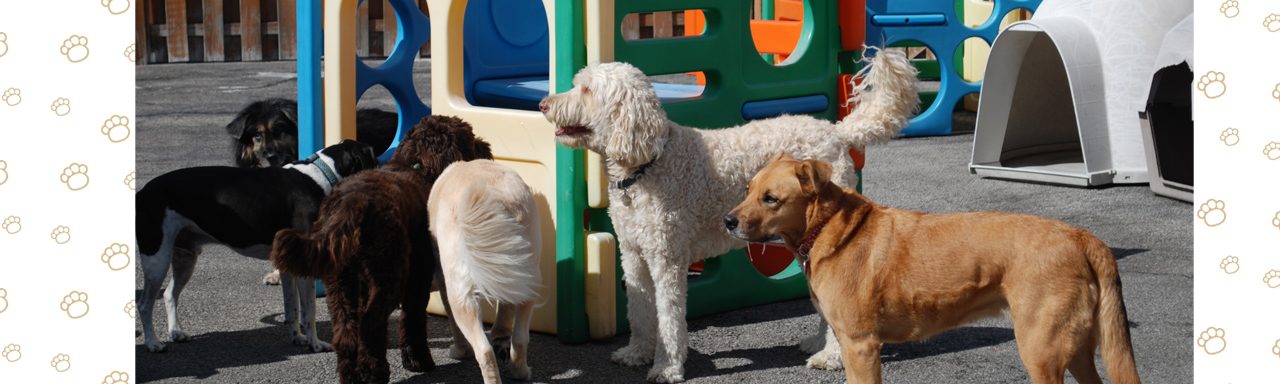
<point x="1028" y="127"/>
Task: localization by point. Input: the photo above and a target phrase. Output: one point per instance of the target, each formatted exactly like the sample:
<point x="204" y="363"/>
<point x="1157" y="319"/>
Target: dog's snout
<point x="543" y="105"/>
<point x="730" y="222"/>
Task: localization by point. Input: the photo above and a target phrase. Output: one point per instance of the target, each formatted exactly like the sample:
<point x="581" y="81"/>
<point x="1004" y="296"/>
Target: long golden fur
<point x="373" y="248"/>
<point x="886" y="275"/>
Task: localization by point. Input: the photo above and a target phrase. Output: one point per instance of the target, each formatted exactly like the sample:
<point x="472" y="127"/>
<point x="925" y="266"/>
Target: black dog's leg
<point x="414" y="351"/>
<point x="343" y="309"/>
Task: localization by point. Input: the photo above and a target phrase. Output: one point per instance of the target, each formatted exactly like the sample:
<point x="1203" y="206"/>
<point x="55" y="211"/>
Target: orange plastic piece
<point x="853" y="24"/>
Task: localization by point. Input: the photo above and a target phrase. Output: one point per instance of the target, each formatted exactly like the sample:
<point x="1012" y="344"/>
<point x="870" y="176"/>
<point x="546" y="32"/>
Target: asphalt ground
<point x="237" y="327"/>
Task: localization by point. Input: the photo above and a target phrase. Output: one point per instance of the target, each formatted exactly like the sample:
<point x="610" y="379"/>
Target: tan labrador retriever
<point x="884" y="275"/>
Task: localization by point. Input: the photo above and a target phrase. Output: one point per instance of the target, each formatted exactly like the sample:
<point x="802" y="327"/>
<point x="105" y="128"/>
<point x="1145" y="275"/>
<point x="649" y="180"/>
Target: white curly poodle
<point x="670" y="185"/>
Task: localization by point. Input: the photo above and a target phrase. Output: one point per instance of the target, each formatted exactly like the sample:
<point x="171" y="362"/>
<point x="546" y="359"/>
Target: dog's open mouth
<point x="572" y="130"/>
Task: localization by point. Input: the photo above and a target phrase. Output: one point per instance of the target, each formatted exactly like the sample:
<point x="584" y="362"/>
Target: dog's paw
<point x="318" y="346"/>
<point x="179" y="336"/>
<point x="1213" y="212"/>
<point x="668" y="374"/>
<point x="1213" y="340"/>
<point x="4" y="44"/>
<point x="116" y="128"/>
<point x="632" y="357"/>
<point x="75" y="176"/>
<point x="61" y="106"/>
<point x="61" y="234"/>
<point x="459" y="352"/>
<point x="116" y="7"/>
<point x="131" y="53"/>
<point x="1230" y="264"/>
<point x="4" y="300"/>
<point x="1272" y="22"/>
<point x="75" y="48"/>
<point x="1230" y="8"/>
<point x="1213" y="84"/>
<point x="155" y="346"/>
<point x="1272" y="278"/>
<point x="75" y="304"/>
<point x="131" y="309"/>
<point x="116" y="256"/>
<point x="825" y="360"/>
<point x="1272" y="150"/>
<point x="272" y="278"/>
<point x="519" y="372"/>
<point x="11" y="96"/>
<point x="1230" y="136"/>
<point x="813" y="344"/>
<point x="133" y="177"/>
<point x="61" y="362"/>
<point x="116" y="377"/>
<point x="11" y="224"/>
<point x="501" y="347"/>
<point x="11" y="352"/>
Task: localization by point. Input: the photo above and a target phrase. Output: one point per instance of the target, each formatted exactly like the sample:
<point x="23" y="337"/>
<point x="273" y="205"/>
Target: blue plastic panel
<point x="524" y="93"/>
<point x="791" y="105"/>
<point x="504" y="40"/>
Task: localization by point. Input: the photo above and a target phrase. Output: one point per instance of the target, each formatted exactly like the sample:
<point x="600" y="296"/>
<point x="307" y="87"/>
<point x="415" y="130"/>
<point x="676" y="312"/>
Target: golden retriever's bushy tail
<point x="886" y="99"/>
<point x="496" y="245"/>
<point x="1113" y="321"/>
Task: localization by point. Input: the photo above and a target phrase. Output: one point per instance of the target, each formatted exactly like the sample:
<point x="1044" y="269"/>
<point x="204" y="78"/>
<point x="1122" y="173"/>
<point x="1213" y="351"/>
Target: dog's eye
<point x="769" y="199"/>
<point x="257" y="138"/>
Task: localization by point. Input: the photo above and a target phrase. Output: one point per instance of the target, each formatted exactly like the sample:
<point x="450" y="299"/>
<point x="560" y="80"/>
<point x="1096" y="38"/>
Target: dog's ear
<point x="636" y="118"/>
<point x="236" y="128"/>
<point x="813" y="174"/>
<point x="482" y="149"/>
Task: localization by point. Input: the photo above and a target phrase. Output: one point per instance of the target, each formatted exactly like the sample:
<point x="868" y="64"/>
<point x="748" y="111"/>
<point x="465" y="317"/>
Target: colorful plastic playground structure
<point x="492" y="61"/>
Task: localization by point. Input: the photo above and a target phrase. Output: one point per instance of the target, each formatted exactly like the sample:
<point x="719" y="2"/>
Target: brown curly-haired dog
<point x="373" y="248"/>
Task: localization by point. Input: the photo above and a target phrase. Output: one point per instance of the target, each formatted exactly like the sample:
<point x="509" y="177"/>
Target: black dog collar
<point x="634" y="177"/>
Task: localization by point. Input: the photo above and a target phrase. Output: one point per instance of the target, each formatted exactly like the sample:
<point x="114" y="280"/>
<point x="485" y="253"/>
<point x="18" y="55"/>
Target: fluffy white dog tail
<point x="886" y="99"/>
<point x="499" y="250"/>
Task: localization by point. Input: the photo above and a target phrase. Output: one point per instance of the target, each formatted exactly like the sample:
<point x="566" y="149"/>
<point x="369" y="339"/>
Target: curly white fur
<point x="671" y="217"/>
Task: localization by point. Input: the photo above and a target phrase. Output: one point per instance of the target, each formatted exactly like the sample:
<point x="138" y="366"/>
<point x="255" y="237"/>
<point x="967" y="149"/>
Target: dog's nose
<point x="543" y="106"/>
<point x="730" y="222"/>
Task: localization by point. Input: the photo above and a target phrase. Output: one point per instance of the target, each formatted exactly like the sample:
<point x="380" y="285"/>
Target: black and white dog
<point x="179" y="211"/>
<point x="265" y="134"/>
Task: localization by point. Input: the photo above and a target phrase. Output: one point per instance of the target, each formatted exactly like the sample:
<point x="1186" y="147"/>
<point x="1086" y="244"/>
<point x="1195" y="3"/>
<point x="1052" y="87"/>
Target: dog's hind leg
<point x="460" y="347"/>
<point x="670" y="287"/>
<point x="289" y="290"/>
<point x="371" y="360"/>
<point x="466" y="314"/>
<point x="640" y="311"/>
<point x="184" y="264"/>
<point x="154" y="269"/>
<point x="1082" y="367"/>
<point x="305" y="290"/>
<point x="415" y="354"/>
<point x="500" y="333"/>
<point x="518" y="368"/>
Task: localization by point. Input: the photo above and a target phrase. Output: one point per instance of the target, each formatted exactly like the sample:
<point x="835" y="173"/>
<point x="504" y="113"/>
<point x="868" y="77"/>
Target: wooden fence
<point x="176" y="31"/>
<point x="179" y="31"/>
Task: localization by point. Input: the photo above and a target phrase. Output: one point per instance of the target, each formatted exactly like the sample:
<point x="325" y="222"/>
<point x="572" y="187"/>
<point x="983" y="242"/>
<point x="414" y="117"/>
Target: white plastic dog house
<point x="1063" y="89"/>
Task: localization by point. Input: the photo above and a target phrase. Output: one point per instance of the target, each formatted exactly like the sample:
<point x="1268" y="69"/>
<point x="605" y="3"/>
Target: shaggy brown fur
<point x="373" y="248"/>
